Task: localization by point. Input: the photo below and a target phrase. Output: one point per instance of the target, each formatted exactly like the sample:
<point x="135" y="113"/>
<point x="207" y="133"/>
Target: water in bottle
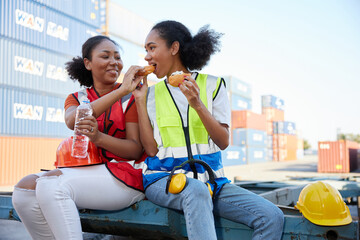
<point x="80" y="141"/>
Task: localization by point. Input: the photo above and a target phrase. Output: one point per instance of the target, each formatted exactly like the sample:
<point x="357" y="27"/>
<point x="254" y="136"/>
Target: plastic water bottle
<point x="80" y="141"/>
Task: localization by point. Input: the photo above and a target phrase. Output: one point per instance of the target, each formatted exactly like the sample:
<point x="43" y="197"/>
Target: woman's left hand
<point x="191" y="91"/>
<point x="89" y="127"/>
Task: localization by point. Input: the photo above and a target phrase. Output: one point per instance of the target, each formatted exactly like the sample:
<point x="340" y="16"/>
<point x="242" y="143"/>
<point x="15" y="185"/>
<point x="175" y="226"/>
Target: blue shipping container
<point x="256" y="155"/>
<point x="233" y="155"/>
<point x="249" y="137"/>
<point x="29" y="67"/>
<point x="28" y="114"/>
<point x="284" y="128"/>
<point x="88" y="11"/>
<point x="240" y="103"/>
<point x="235" y="85"/>
<point x="269" y="141"/>
<point x="272" y="101"/>
<point x="29" y="22"/>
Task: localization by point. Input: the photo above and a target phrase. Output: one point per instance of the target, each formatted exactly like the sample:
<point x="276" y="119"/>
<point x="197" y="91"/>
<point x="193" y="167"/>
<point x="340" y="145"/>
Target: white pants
<point x="51" y="211"/>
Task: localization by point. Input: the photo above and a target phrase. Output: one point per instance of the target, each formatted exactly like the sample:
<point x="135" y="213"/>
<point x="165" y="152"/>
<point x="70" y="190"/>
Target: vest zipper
<point x="186" y="134"/>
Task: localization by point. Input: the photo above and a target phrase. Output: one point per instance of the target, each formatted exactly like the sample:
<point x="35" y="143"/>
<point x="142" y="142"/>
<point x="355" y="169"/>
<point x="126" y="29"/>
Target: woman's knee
<point x="197" y="190"/>
<point x="28" y="182"/>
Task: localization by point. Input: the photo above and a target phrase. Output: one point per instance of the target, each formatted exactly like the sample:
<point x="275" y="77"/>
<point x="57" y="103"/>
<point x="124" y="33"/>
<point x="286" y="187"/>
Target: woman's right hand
<point x="141" y="91"/>
<point x="131" y="80"/>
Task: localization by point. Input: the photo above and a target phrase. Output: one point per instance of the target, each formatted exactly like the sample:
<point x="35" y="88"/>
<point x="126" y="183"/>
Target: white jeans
<point x="51" y="211"/>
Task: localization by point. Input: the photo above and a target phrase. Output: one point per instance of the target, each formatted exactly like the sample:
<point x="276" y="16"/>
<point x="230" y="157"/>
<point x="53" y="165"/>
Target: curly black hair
<point x="76" y="67"/>
<point x="195" y="51"/>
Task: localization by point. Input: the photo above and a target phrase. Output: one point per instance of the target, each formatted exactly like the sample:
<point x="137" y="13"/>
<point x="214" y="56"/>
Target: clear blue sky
<point x="306" y="52"/>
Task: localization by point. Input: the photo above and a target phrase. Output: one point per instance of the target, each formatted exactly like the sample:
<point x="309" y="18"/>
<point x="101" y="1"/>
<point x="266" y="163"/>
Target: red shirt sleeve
<point x="70" y="101"/>
<point x="131" y="114"/>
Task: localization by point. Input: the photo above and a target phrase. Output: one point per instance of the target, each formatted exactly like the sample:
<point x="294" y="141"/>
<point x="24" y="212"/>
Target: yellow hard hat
<point x="322" y="204"/>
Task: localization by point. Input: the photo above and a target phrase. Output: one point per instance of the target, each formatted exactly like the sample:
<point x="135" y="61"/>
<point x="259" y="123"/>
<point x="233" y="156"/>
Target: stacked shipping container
<point x="37" y="38"/>
<point x="282" y="134"/>
<point x="248" y="136"/>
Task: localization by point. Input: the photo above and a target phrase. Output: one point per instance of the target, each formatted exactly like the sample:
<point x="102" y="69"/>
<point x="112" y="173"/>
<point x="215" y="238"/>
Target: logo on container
<point x="56" y="73"/>
<point x="28" y="66"/>
<point x="57" y="31"/>
<point x="242" y="104"/>
<point x="324" y="146"/>
<point x="258" y="154"/>
<point x="257" y="137"/>
<point x="24" y="111"/>
<point x="29" y="21"/>
<point x="54" y="115"/>
<point x="242" y="87"/>
<point x="232" y="155"/>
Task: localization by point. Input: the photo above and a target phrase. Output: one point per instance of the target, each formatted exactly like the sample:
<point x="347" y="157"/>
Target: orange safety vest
<point x="129" y="174"/>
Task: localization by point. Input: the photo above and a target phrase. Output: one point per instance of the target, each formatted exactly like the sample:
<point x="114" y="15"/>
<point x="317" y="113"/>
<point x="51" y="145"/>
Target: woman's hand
<point x="131" y="79"/>
<point x="141" y="91"/>
<point x="191" y="91"/>
<point x="89" y="127"/>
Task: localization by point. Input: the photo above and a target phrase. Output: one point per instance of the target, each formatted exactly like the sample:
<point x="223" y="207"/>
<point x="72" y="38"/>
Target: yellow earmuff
<point x="210" y="190"/>
<point x="178" y="183"/>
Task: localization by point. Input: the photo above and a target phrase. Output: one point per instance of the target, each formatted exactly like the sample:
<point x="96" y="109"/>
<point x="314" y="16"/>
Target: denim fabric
<point x="242" y="206"/>
<point x="233" y="202"/>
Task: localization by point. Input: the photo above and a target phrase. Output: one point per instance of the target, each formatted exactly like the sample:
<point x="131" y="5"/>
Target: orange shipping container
<point x="287" y="154"/>
<point x="300" y="143"/>
<point x="269" y="128"/>
<point x="338" y="156"/>
<point x="273" y="114"/>
<point x="285" y="141"/>
<point x="20" y="156"/>
<point x="248" y="119"/>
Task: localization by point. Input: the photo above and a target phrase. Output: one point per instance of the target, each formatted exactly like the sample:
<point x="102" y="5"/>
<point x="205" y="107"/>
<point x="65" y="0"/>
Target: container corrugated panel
<point x="337" y="156"/>
<point x="256" y="155"/>
<point x="287" y="154"/>
<point x="269" y="141"/>
<point x="285" y="141"/>
<point x="273" y="114"/>
<point x="25" y="113"/>
<point x="233" y="155"/>
<point x="300" y="143"/>
<point x="276" y="154"/>
<point x="127" y="25"/>
<point x="284" y="127"/>
<point x="20" y="156"/>
<point x="237" y="86"/>
<point x="239" y="103"/>
<point x="29" y="22"/>
<point x="272" y="101"/>
<point x="248" y="119"/>
<point x="29" y="67"/>
<point x="269" y="154"/>
<point x="249" y="137"/>
<point x="269" y="128"/>
<point x="87" y="11"/>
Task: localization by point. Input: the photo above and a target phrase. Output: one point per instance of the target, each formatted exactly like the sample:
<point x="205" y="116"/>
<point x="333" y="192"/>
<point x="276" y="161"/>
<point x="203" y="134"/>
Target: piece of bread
<point x="146" y="71"/>
<point x="177" y="78"/>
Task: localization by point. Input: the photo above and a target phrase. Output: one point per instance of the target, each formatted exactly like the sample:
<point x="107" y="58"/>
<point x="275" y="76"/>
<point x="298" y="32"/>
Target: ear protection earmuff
<point x="177" y="182"/>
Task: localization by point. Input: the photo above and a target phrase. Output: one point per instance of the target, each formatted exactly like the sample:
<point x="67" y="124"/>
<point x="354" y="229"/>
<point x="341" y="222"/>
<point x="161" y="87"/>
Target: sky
<point x="306" y="52"/>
